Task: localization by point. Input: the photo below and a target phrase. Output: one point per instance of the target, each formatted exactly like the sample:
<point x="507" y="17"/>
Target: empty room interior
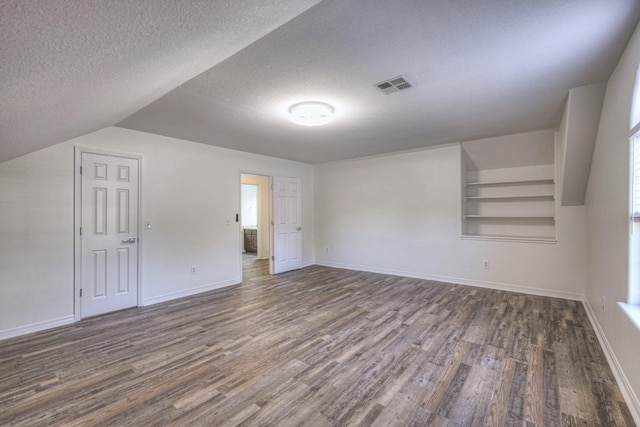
<point x="320" y="212"/>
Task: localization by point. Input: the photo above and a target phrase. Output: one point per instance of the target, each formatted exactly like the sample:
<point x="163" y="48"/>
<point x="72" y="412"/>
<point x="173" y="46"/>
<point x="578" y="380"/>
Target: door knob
<point x="298" y="228"/>
<point x="128" y="241"/>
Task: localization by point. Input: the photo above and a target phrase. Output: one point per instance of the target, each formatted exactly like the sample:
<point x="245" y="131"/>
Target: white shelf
<point x="509" y="195"/>
<point x="507" y="198"/>
<point x="510" y="238"/>
<point x="510" y="216"/>
<point x="514" y="204"/>
<point x="512" y="182"/>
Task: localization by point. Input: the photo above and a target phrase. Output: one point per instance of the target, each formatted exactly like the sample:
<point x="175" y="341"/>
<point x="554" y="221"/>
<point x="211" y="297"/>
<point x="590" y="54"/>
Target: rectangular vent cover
<point x="394" y="85"/>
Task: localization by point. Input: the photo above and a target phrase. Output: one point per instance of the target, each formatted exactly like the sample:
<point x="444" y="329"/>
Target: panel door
<point x="109" y="221"/>
<point x="287" y="218"/>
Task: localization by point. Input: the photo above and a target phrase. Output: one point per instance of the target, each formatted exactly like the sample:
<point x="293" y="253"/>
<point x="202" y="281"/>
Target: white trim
<point x="633" y="312"/>
<point x="633" y="249"/>
<point x="459" y="281"/>
<point x="77" y="240"/>
<point x="77" y="216"/>
<point x="272" y="229"/>
<point x="191" y="291"/>
<point x="36" y="327"/>
<point x="623" y="383"/>
<point x="269" y="208"/>
<point x="543" y="240"/>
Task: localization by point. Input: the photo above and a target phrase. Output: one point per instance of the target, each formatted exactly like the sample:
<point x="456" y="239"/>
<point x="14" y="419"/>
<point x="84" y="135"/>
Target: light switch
<point x="147" y="224"/>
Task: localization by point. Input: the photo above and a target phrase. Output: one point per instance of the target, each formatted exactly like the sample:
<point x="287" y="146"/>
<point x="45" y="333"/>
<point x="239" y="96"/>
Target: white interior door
<point x="287" y="219"/>
<point x="109" y="240"/>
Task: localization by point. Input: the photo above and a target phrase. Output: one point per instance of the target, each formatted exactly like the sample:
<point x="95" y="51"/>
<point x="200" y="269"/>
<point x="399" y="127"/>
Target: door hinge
<point x="273" y="258"/>
<point x="81" y="292"/>
<point x="81" y="231"/>
<point x="80" y="170"/>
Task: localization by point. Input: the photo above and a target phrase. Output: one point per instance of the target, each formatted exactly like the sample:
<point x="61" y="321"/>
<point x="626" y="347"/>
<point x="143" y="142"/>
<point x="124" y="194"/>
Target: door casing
<point x="77" y="313"/>
<point x="270" y="221"/>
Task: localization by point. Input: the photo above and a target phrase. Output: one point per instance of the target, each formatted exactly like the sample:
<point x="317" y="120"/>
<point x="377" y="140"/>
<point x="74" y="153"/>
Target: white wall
<point x="402" y="214"/>
<point x="607" y="204"/>
<point x="36" y="239"/>
<point x="189" y="191"/>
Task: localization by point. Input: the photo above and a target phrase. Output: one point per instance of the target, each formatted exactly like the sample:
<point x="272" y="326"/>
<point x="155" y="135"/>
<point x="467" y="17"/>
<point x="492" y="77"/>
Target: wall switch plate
<point x="485" y="264"/>
<point x="194" y="270"/>
<point x="147" y="224"/>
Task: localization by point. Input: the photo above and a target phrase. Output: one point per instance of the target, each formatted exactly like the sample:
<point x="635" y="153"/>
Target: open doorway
<point x="254" y="225"/>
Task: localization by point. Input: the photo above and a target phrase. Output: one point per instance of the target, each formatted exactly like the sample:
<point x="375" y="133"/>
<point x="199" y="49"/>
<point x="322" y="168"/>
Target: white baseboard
<point x="627" y="391"/>
<point x="458" y="281"/>
<point x="36" y="327"/>
<point x="188" y="292"/>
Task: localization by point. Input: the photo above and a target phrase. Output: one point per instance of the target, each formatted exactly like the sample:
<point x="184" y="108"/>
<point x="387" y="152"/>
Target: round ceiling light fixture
<point x="311" y="113"/>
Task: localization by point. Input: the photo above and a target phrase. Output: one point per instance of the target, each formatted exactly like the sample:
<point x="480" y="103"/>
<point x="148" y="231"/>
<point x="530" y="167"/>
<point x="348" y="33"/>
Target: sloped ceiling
<point x="224" y="73"/>
<point x="69" y="67"/>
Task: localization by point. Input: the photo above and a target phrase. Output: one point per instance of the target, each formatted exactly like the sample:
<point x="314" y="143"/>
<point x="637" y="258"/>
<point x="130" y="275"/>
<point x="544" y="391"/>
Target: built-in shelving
<point x="531" y="239"/>
<point x="510" y="182"/>
<point x="511" y="216"/>
<point x="489" y="198"/>
<point x="508" y="203"/>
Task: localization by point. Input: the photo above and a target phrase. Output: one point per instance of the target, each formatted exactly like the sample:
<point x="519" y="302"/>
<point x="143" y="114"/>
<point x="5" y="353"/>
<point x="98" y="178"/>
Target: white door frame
<point x="260" y="206"/>
<point x="269" y="207"/>
<point x="77" y="219"/>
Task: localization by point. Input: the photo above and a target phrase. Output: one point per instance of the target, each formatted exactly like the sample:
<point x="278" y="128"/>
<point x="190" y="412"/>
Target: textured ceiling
<point x="481" y="68"/>
<point x="69" y="67"/>
<point x="224" y="73"/>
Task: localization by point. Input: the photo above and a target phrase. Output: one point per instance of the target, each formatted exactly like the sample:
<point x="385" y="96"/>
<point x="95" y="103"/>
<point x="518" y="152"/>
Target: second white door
<point x="287" y="223"/>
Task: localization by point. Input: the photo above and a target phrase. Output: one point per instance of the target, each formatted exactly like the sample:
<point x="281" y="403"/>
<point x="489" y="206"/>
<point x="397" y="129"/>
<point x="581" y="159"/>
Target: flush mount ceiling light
<point x="311" y="113"/>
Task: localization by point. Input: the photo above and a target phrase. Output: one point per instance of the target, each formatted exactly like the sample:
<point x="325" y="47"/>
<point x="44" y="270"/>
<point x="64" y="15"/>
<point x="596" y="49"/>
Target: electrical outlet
<point x="326" y="250"/>
<point x="485" y="264"/>
<point x="194" y="270"/>
<point x="604" y="303"/>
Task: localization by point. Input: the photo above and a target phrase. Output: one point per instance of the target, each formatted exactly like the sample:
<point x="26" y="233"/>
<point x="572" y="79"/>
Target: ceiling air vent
<point x="393" y="85"/>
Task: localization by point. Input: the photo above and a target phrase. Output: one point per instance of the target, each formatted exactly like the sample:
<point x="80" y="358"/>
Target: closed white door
<point x="109" y="227"/>
<point x="287" y="218"/>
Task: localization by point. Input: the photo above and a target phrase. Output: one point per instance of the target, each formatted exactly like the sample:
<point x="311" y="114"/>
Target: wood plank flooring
<point x="318" y="347"/>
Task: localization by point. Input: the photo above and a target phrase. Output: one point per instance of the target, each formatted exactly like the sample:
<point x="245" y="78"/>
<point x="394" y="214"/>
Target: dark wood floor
<point x="319" y="347"/>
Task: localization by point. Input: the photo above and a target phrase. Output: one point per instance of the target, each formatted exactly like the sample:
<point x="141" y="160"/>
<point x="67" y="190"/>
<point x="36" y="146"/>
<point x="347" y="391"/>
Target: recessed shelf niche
<point x="508" y="188"/>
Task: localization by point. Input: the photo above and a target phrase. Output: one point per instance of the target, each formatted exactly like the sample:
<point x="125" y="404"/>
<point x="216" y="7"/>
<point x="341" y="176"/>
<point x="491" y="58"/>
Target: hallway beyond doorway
<point x="252" y="267"/>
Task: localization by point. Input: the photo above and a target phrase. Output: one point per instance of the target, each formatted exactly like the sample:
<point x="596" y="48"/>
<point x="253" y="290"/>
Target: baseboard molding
<point x="627" y="391"/>
<point x="191" y="291"/>
<point x="458" y="281"/>
<point x="36" y="327"/>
